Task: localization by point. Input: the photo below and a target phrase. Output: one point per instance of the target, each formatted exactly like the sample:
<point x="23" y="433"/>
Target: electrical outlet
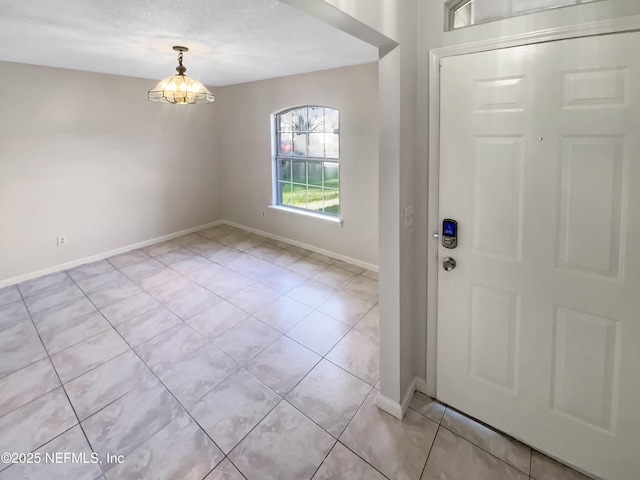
<point x="63" y="241"/>
<point x="408" y="216"/>
<point x="263" y="213"/>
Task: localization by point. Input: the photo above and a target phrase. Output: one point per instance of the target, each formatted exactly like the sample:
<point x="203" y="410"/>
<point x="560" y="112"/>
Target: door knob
<point x="448" y="264"/>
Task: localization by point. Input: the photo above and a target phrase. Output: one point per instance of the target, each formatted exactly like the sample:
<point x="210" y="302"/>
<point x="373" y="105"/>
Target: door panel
<point x="590" y="218"/>
<point x="498" y="196"/>
<point x="539" y="324"/>
<point x="492" y="337"/>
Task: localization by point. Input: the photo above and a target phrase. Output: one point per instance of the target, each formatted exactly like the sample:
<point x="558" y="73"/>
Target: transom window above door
<point x="464" y="13"/>
<point x="307" y="159"/>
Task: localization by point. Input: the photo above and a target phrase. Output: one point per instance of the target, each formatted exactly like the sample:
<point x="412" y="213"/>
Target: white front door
<point x="539" y="323"/>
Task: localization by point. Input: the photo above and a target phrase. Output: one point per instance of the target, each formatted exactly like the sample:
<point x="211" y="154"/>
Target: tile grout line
<point x="488" y="427"/>
<point x="424" y="467"/>
<point x="112" y="402"/>
<point x="226" y="457"/>
<point x="160" y="381"/>
<point x="163" y="305"/>
<point x="185" y="410"/>
<point x="252" y="315"/>
<point x="365" y="461"/>
<point x="283" y="397"/>
<point x="78" y="318"/>
<point x="324" y="357"/>
<point x="531" y="464"/>
<point x="235" y="466"/>
<point x="307" y="278"/>
<point x="253" y="428"/>
<point x="347" y="426"/>
<point x="57" y="374"/>
<point x="484" y="450"/>
<point x="225" y="299"/>
<point x="45" y="444"/>
<point x="61" y="384"/>
<point x="325" y="457"/>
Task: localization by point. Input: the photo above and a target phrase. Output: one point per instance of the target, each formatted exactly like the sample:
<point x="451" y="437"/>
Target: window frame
<point x="450" y="9"/>
<point x="276" y="158"/>
<point x="452" y="6"/>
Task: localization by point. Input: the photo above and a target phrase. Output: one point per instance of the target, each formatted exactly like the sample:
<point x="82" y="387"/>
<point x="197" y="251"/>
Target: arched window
<point x="463" y="13"/>
<point x="307" y="159"/>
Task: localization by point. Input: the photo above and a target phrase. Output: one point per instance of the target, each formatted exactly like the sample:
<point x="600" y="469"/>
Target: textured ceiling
<point x="230" y="41"/>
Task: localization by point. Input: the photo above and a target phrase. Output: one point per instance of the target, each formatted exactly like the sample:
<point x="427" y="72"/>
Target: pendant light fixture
<point x="180" y="88"/>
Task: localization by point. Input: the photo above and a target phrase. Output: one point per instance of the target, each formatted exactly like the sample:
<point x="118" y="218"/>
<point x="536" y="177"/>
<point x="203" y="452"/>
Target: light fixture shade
<point x="180" y="89"/>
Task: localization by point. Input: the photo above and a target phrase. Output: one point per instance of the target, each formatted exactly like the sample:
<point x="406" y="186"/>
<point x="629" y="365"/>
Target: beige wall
<point x="86" y="155"/>
<point x="245" y="152"/>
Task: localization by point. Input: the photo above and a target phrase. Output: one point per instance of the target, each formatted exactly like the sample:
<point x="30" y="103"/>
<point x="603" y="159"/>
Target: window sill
<point x="312" y="216"/>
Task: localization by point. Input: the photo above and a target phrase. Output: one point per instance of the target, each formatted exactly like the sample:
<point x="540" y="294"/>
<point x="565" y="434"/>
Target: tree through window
<point x="307" y="159"/>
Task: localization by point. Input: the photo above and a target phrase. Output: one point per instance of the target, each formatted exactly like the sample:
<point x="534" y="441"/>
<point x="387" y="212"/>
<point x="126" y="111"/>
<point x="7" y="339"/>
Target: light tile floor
<point x="222" y="355"/>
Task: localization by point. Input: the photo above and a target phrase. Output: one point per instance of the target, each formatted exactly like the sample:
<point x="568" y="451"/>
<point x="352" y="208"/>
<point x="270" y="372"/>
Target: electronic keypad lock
<point x="449" y="233"/>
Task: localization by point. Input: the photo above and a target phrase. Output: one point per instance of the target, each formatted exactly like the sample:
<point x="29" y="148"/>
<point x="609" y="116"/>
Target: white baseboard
<point x="344" y="258"/>
<point x="103" y="255"/>
<point x="408" y="396"/>
<point x="397" y="409"/>
<point x="146" y="243"/>
<point x="390" y="406"/>
<point x="421" y="385"/>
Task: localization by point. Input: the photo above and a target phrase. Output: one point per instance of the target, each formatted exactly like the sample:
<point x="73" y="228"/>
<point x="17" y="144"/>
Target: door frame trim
<point x="606" y="27"/>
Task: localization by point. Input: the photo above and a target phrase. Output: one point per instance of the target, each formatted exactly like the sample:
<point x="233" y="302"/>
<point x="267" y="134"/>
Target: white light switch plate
<point x="408" y="216"/>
